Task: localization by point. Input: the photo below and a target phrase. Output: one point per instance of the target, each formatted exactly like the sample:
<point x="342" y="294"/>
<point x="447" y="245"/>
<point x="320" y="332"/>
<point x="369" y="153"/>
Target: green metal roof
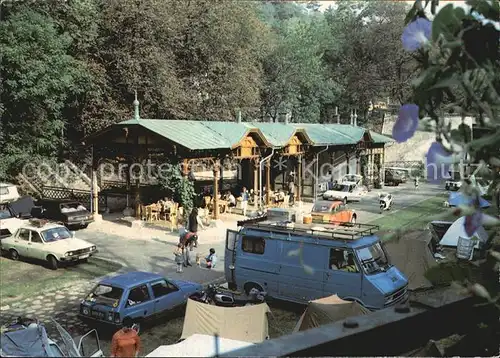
<point x="380" y="138"/>
<point x="206" y="135"/>
<point x="194" y="135"/>
<point x="278" y="134"/>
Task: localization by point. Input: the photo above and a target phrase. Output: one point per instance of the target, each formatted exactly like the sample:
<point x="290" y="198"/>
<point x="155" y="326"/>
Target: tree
<point x="38" y="77"/>
<point x="368" y="61"/>
<point x="295" y="76"/>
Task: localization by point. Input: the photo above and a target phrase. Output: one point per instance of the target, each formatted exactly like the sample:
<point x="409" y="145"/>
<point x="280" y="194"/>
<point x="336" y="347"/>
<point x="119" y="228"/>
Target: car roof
<point x="330" y="203"/>
<point x="131" y="279"/>
<point x="47" y="226"/>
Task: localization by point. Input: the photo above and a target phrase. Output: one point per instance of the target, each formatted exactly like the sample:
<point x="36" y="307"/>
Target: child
<point x="179" y="257"/>
<point x="211" y="259"/>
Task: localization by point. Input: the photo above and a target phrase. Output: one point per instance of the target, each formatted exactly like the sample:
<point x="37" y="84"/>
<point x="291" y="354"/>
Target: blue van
<point x="302" y="262"/>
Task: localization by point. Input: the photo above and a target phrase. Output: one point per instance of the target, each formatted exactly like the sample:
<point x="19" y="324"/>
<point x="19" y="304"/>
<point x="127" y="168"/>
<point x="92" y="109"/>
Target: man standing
<point x="126" y="342"/>
<point x="244" y="201"/>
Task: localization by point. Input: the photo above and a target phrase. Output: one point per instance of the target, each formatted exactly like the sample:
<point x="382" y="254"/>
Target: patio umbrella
<point x="458" y="198"/>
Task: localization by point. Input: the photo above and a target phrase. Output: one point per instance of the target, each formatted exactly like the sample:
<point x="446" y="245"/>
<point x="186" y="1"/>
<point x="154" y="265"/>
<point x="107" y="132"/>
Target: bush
<point x="177" y="186"/>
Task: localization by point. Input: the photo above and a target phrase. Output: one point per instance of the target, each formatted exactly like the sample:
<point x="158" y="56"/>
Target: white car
<point x="345" y="191"/>
<point x="50" y="242"/>
<point x="8" y="193"/>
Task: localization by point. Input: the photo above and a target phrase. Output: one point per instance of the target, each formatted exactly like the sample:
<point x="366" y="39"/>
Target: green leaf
<point x="447" y="22"/>
<point x="411" y="14"/>
<point x="446" y="82"/>
<point x="427" y="75"/>
<point x="452" y="44"/>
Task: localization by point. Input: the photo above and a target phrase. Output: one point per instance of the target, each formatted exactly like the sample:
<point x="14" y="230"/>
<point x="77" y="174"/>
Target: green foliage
<point x="179" y="187"/>
<point x="70" y="68"/>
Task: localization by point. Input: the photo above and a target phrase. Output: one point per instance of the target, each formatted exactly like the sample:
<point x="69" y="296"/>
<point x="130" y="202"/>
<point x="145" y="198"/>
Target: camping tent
<point x="198" y="345"/>
<point x="459" y="198"/>
<point x="412" y="255"/>
<point x="457" y="230"/>
<point x="248" y="324"/>
<point x="327" y="310"/>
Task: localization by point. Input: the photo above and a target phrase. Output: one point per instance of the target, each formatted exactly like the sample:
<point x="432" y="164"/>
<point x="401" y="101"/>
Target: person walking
<point x="193" y="223"/>
<point x="244" y="200"/>
<point x="179" y="257"/>
<point x="126" y="342"/>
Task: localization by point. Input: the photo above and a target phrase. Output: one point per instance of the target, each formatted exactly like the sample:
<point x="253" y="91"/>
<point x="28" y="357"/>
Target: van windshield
<point x="373" y="259"/>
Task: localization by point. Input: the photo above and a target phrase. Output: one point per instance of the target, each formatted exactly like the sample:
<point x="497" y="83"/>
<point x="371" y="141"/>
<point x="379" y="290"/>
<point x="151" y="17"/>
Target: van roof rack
<point x="337" y="230"/>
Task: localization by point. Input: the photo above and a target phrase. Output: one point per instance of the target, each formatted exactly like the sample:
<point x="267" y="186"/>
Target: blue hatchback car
<point x="136" y="295"/>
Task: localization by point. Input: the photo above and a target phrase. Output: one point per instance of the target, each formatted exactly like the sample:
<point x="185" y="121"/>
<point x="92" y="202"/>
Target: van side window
<point x="253" y="245"/>
<point x="343" y="260"/>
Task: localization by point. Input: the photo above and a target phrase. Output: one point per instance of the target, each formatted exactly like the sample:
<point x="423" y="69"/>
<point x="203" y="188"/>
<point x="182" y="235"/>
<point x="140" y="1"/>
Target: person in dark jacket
<point x="193" y="225"/>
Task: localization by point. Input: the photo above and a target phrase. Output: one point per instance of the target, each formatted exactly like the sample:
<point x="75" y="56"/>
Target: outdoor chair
<point x="173" y="216"/>
<point x="151" y="213"/>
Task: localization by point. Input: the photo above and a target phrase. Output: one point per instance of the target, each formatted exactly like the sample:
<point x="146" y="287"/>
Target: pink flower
<point x="406" y="124"/>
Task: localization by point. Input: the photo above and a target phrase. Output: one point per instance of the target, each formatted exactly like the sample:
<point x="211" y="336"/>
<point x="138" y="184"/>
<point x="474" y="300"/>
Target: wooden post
<point x="347" y="157"/>
<point x="268" y="182"/>
<point x="256" y="175"/>
<point x="299" y="179"/>
<point x="216" y="188"/>
<point x="137" y="199"/>
<point x="95" y="193"/>
<point x="185" y="167"/>
<point x="382" y="165"/>
<point x="332" y="162"/>
<point x="358" y="163"/>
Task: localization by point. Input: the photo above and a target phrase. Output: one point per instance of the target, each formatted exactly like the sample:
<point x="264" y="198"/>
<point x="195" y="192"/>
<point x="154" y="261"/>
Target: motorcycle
<point x="214" y="295"/>
<point x="385" y="201"/>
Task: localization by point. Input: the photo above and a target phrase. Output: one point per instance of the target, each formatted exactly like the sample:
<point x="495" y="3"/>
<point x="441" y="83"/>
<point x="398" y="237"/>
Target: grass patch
<point x="21" y="279"/>
<point x="416" y="216"/>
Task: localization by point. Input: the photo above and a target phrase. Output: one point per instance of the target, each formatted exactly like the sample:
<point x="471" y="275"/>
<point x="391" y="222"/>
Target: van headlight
<point x="85" y="311"/>
<point x="93" y="248"/>
<point x="69" y="253"/>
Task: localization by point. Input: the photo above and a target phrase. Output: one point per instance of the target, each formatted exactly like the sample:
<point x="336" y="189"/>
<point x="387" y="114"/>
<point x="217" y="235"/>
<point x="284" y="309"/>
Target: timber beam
<point x="388" y="332"/>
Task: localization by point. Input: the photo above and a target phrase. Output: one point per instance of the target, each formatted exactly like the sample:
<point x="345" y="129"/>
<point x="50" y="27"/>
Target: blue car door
<point x="166" y="296"/>
<point x="139" y="303"/>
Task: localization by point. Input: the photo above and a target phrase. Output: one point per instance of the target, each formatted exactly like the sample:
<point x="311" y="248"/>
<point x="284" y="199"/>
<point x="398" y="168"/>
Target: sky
<point x="442" y="3"/>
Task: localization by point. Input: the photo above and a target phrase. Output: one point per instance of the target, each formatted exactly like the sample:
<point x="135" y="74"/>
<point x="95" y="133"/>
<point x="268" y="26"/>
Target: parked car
<point x="13" y="214"/>
<point x="325" y="211"/>
<point x="137" y="295"/>
<point x="454" y="183"/>
<point x="71" y="213"/>
<point x="49" y="242"/>
<point x="393" y="177"/>
<point x="303" y="262"/>
<point x="345" y="191"/>
<point x="8" y="193"/>
<point x="28" y="338"/>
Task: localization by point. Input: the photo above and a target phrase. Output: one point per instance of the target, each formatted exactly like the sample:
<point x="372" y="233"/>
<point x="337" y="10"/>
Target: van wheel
<point x="14" y="255"/>
<point x="52" y="261"/>
<point x="248" y="287"/>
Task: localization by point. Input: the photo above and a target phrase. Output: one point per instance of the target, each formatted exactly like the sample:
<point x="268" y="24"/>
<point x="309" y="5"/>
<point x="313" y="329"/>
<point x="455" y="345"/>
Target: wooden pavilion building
<point x="266" y="153"/>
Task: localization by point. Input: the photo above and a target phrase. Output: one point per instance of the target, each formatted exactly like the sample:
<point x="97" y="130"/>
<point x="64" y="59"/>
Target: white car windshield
<point x="56" y="234"/>
<point x="341" y="187"/>
<point x="373" y="259"/>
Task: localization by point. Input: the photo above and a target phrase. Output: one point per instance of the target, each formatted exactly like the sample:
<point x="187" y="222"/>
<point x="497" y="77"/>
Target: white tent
<point x="457" y="230"/>
<point x="198" y="345"/>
